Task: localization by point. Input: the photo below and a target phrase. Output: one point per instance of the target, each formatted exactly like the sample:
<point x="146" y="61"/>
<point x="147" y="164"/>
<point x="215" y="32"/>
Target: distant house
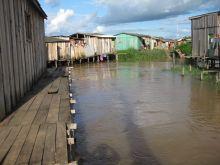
<point x="58" y="48"/>
<point x="183" y="40"/>
<point x="206" y="35"/>
<point x="91" y="44"/>
<point x="170" y="44"/>
<point x="22" y="50"/>
<point x="125" y="41"/>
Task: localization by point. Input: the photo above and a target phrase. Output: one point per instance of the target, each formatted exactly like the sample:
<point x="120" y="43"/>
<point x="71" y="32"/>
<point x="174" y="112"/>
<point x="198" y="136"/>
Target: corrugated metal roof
<point x="202" y="15"/>
<point x="54" y="39"/>
<point x="87" y="34"/>
<point x="94" y="35"/>
<point x="134" y="34"/>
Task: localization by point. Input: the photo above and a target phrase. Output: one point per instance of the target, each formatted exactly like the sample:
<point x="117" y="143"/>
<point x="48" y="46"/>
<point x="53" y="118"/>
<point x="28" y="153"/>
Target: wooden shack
<point x="205" y="31"/>
<point x="86" y="45"/>
<point x="22" y="50"/>
<point x="126" y="41"/>
<point x="58" y="48"/>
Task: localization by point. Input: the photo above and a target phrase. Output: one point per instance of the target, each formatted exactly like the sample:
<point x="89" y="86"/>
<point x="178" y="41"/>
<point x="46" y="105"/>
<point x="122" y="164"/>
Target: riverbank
<point x="132" y="55"/>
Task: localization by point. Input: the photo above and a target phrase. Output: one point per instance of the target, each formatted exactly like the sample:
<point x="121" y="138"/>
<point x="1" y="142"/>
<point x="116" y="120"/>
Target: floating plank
<point x="61" y="144"/>
<point x="16" y="147"/>
<point x="25" y="154"/>
<point x="50" y="145"/>
<point x="37" y="153"/>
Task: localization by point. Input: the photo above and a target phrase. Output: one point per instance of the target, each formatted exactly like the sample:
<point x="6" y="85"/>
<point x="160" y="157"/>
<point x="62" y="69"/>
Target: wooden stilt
<point x="183" y="71"/>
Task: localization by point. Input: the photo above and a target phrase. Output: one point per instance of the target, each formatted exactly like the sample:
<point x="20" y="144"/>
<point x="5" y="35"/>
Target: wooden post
<point x="107" y="58"/>
<point x="98" y="59"/>
<point x="116" y="57"/>
<point x="183" y="71"/>
<point x="190" y="67"/>
<point x="217" y="77"/>
<point x="173" y="57"/>
<point x="201" y="76"/>
<point x="56" y="65"/>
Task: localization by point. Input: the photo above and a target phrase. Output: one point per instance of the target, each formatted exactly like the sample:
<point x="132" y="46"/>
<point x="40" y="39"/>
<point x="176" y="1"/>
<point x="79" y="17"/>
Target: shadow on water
<point x="102" y="154"/>
<point x="140" y="150"/>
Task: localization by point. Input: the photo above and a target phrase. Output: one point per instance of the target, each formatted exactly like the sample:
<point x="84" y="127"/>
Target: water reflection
<point x="137" y="113"/>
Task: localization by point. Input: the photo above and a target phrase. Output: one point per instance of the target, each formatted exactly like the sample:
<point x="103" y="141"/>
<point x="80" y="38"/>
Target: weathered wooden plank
<point x="20" y="113"/>
<point x="31" y="113"/>
<point x="61" y="144"/>
<point x="5" y="147"/>
<point x="25" y="154"/>
<point x="4" y="132"/>
<point x="64" y="113"/>
<point x="37" y="153"/>
<point x="54" y="109"/>
<point x="16" y="147"/>
<point x="43" y="110"/>
<point x="54" y="87"/>
<point x="50" y="145"/>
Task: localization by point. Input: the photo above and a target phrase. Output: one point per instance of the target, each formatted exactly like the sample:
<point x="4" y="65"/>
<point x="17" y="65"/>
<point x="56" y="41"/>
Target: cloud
<point x="124" y="11"/>
<point x="60" y="22"/>
<point x="52" y="2"/>
<point x="84" y="21"/>
<point x="99" y="29"/>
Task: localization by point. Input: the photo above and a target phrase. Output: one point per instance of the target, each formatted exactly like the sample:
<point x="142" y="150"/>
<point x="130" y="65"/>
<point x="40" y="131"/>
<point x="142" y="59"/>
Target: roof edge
<point x="202" y="15"/>
<point x="39" y="8"/>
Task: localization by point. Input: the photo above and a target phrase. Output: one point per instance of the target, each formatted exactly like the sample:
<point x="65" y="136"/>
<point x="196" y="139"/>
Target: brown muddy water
<point x="130" y="113"/>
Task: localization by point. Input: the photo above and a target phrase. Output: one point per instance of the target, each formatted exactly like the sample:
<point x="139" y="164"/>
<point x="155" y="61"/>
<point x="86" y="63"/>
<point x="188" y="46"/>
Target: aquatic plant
<point x="132" y="55"/>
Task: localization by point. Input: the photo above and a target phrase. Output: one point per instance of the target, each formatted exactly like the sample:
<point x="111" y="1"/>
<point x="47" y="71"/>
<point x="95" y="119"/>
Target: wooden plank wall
<point x="201" y="28"/>
<point x="22" y="62"/>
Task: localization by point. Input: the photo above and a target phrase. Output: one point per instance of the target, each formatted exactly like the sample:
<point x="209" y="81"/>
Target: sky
<point x="161" y="18"/>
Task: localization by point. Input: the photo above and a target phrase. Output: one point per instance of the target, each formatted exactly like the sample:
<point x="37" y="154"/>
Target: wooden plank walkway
<point x="36" y="132"/>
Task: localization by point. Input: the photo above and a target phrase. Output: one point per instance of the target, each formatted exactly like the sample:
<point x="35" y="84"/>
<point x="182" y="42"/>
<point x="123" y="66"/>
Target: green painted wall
<point x="125" y="41"/>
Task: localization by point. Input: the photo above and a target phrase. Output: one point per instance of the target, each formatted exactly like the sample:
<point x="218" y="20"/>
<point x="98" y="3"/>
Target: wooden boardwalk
<point x="36" y="133"/>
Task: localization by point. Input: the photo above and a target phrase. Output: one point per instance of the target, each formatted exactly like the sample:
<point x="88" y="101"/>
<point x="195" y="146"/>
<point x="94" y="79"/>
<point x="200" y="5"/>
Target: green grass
<point x="185" y="48"/>
<point x="132" y="55"/>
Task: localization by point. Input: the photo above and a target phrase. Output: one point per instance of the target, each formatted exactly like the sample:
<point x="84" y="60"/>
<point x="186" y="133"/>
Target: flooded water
<point x="130" y="113"/>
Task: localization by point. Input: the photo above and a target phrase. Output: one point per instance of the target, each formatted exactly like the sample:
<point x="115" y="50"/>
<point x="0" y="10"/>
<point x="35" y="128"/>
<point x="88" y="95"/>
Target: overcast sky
<point x="165" y="18"/>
